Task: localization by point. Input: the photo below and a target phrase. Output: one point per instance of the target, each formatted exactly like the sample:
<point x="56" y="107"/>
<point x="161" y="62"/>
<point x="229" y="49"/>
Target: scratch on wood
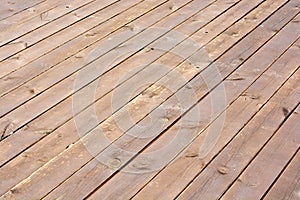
<point x="7" y="130"/>
<point x="251" y="96"/>
<point x="236" y="79"/>
<point x="44" y="16"/>
<point x="191" y="154"/>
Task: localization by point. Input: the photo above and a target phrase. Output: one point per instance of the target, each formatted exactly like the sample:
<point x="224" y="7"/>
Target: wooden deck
<point x="150" y="99"/>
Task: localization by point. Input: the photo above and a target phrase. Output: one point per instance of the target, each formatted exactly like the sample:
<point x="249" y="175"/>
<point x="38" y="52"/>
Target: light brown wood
<point x="107" y="80"/>
<point x="129" y="183"/>
<point x="277" y="153"/>
<point x="11" y="8"/>
<point x="196" y="164"/>
<point x="287" y="186"/>
<point x="184" y="99"/>
<point x="53" y="140"/>
<point x="62" y="40"/>
<point x="249" y="141"/>
<point x="31" y="38"/>
<point x="86" y="169"/>
<point x="54" y="12"/>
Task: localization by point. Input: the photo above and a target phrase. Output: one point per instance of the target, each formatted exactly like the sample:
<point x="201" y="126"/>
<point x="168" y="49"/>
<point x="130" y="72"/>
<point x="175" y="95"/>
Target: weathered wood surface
<point x="149" y="99"/>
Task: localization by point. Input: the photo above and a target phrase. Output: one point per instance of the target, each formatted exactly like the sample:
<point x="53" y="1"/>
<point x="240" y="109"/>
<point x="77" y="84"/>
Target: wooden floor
<point x="149" y="99"/>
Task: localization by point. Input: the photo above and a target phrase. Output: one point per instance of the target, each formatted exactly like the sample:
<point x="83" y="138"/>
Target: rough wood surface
<point x="149" y="99"/>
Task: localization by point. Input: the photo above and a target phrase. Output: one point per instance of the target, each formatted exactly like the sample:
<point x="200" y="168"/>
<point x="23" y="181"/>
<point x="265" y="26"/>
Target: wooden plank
<point x="40" y="130"/>
<point x="10" y="8"/>
<point x="26" y="41"/>
<point x="178" y="174"/>
<point x="288" y="184"/>
<point x="19" y="29"/>
<point x="100" y="91"/>
<point x="28" y="13"/>
<point x="59" y="147"/>
<point x="211" y="183"/>
<point x="31" y="54"/>
<point x="24" y="91"/>
<point x="61" y="91"/>
<point x="68" y="156"/>
<point x="107" y="80"/>
<point x="127" y="16"/>
<point x="84" y="186"/>
<point x="166" y="180"/>
<point x="73" y="64"/>
<point x="268" y="163"/>
<point x="43" y="56"/>
<point x="33" y="12"/>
